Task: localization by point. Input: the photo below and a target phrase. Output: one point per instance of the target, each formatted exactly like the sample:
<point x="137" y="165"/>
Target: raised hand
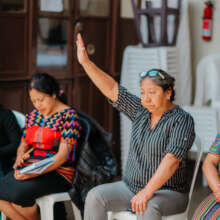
<point x="81" y="50"/>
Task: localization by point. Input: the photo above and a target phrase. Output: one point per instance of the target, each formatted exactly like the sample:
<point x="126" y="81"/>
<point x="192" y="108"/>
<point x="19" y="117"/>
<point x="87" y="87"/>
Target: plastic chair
<point x="126" y="215"/>
<point x="206" y="124"/>
<point x="20" y="118"/>
<point x="47" y="202"/>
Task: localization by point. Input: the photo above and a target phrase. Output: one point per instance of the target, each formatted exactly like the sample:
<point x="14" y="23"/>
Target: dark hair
<point x="46" y="83"/>
<point x="162" y="79"/>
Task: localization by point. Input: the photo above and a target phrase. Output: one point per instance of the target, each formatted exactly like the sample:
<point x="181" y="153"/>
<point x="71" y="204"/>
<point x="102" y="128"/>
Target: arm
<point x="13" y="133"/>
<point x="211" y="173"/>
<point x="23" y="147"/>
<point x="59" y="159"/>
<point x="181" y="136"/>
<point x="165" y="170"/>
<point x="68" y="143"/>
<point x="122" y="100"/>
<point x="105" y="83"/>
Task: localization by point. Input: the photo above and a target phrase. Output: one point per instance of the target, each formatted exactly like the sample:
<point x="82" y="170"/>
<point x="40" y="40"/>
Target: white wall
<point x="200" y="48"/>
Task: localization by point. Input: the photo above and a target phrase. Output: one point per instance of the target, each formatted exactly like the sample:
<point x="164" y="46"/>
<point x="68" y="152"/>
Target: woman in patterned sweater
<point x="52" y="130"/>
<point x="154" y="183"/>
<point x="209" y="209"/>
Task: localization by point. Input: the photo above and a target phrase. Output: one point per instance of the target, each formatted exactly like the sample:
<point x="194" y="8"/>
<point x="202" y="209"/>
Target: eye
<point x="152" y="92"/>
<point x="41" y="99"/>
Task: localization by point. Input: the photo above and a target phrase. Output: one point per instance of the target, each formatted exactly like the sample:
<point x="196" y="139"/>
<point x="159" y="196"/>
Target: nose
<point x="146" y="98"/>
<point x="37" y="105"/>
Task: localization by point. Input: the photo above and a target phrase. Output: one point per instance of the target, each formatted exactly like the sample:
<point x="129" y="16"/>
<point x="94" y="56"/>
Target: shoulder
<point x="180" y="117"/>
<point x="182" y="114"/>
<point x="31" y="117"/>
<point x="70" y="119"/>
<point x="6" y="114"/>
<point x="70" y="113"/>
<point x="32" y="114"/>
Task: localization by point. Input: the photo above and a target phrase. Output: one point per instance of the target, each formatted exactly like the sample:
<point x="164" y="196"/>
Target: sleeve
<point x="25" y="128"/>
<point x="215" y="148"/>
<point x="13" y="133"/>
<point x="181" y="136"/>
<point x="71" y="132"/>
<point x="127" y="103"/>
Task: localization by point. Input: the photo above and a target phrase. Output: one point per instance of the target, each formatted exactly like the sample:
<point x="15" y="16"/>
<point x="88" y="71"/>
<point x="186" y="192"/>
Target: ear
<point x="168" y="93"/>
<point x="54" y="96"/>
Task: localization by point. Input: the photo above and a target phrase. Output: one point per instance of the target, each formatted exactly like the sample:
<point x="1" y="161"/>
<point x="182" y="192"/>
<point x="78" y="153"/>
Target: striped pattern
<point x="45" y="135"/>
<point x="215" y="148"/>
<point x="208" y="209"/>
<point x="174" y="133"/>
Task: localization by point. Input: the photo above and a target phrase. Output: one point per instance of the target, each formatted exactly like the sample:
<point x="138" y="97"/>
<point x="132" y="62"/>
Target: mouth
<point x="149" y="106"/>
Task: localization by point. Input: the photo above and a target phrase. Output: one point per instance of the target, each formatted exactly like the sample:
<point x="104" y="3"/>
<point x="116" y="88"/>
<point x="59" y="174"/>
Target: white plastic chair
<point x="206" y="124"/>
<point x="126" y="215"/>
<point x="46" y="204"/>
<point x="20" y="118"/>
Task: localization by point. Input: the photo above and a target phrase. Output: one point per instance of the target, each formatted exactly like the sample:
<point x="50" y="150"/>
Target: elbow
<point x="175" y="166"/>
<point x="174" y="162"/>
<point x="114" y="92"/>
<point x="203" y="167"/>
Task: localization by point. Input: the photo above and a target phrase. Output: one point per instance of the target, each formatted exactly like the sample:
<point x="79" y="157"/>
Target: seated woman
<point x="10" y="136"/>
<point x="154" y="183"/>
<point x="52" y="130"/>
<point x="209" y="208"/>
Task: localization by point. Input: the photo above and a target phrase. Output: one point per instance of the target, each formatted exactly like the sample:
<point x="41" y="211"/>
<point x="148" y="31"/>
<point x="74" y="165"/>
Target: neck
<point x="53" y="109"/>
<point x="159" y="113"/>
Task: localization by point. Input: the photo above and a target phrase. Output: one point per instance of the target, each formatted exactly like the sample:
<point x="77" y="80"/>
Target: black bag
<point x="95" y="163"/>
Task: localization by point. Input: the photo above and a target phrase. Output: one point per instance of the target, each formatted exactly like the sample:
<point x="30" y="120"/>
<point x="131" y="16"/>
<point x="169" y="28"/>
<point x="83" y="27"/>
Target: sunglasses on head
<point x="152" y="73"/>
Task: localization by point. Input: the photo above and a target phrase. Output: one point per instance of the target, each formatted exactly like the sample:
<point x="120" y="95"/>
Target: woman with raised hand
<point x="51" y="131"/>
<point x="154" y="183"/>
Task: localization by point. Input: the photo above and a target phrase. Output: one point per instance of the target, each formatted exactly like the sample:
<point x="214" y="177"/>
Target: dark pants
<point x="24" y="192"/>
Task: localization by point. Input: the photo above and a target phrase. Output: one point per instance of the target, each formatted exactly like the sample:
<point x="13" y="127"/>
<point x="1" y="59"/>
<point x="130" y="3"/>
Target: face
<point x="153" y="97"/>
<point x="43" y="102"/>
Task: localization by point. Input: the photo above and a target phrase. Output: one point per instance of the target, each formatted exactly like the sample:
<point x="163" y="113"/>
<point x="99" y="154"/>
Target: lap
<point x="168" y="202"/>
<point x="117" y="197"/>
<point x="25" y="192"/>
<point x="207" y="208"/>
<point x="113" y="196"/>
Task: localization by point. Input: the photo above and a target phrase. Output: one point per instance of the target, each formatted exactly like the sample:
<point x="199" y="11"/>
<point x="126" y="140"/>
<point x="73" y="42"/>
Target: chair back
<point x="206" y="125"/>
<point x="20" y="118"/>
<point x="199" y="153"/>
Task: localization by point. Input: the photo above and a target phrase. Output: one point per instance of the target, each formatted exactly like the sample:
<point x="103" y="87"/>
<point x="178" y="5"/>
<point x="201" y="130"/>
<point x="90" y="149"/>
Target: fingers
<point x="79" y="41"/>
<point x="18" y="162"/>
<point x="138" y="205"/>
<point x="26" y="156"/>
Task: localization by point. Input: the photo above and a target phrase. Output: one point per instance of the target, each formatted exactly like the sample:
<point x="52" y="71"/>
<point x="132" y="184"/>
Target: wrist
<point x="87" y="63"/>
<point x="149" y="193"/>
<point x="215" y="188"/>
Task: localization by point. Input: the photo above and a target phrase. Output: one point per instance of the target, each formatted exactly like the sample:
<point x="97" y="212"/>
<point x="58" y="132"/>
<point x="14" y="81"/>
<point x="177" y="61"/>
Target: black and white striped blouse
<point x="174" y="133"/>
